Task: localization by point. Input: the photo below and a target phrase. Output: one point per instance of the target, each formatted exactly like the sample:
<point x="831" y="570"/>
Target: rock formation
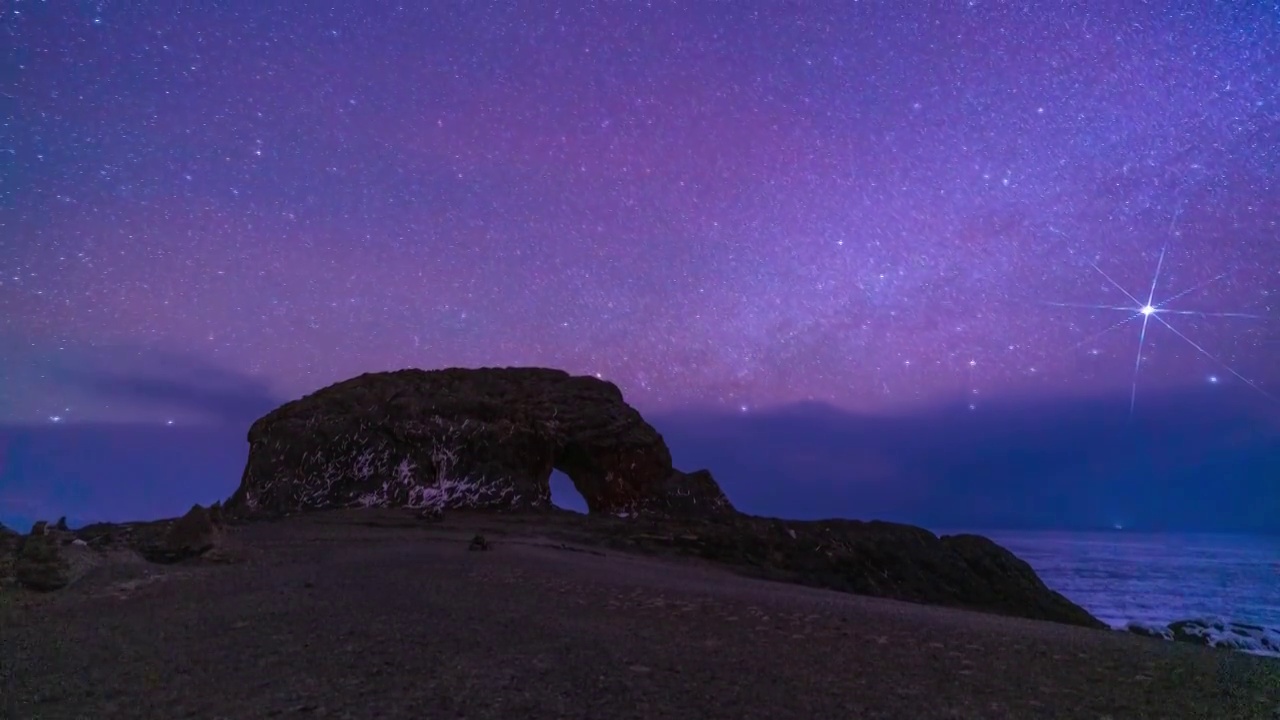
<point x="49" y="558"/>
<point x="464" y="438"/>
<point x="189" y="536"/>
<point x="52" y="557"/>
<point x="41" y="565"/>
<point x="881" y="559"/>
<point x="490" y="438"/>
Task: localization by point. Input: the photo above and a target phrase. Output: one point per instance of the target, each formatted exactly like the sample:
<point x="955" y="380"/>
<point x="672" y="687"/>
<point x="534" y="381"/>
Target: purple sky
<point x="737" y="205"/>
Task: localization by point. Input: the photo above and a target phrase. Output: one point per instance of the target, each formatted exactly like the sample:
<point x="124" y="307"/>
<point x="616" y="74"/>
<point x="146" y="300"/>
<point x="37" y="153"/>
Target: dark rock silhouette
<point x="189" y="536"/>
<point x="464" y="438"/>
<point x="488" y="439"/>
<point x="50" y="558"/>
<point x="41" y="565"/>
<point x="881" y="559"/>
<point x="1003" y="580"/>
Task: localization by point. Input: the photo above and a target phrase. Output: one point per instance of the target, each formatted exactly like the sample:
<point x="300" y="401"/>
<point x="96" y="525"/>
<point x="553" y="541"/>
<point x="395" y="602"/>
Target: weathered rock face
<point x="464" y="438"/>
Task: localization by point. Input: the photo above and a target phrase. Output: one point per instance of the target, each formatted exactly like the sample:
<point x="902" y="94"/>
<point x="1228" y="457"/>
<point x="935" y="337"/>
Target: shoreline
<point x="1172" y="585"/>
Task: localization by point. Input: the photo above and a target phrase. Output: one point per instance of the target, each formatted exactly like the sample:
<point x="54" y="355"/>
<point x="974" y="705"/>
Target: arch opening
<point x="564" y="494"/>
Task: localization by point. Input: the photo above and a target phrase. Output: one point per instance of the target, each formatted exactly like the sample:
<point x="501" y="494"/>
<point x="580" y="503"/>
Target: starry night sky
<point x="877" y="206"/>
<point x="744" y="204"/>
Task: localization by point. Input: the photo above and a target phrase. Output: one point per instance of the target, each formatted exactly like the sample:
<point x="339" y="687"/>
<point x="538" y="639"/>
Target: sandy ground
<point x="336" y="620"/>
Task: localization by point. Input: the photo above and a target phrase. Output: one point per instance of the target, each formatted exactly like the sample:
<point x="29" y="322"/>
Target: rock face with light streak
<point x="465" y="438"/>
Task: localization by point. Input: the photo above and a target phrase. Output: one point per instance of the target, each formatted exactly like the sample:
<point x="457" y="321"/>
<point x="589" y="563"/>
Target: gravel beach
<point x="328" y="617"/>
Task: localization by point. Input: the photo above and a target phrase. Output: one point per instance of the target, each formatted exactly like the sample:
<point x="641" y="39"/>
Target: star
<point x="1148" y="310"/>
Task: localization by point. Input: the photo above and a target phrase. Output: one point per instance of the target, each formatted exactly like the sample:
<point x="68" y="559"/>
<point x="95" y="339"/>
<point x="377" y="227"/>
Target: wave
<point x="1211" y="632"/>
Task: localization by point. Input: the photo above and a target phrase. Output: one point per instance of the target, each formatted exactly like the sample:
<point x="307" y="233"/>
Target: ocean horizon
<point x="1152" y="579"/>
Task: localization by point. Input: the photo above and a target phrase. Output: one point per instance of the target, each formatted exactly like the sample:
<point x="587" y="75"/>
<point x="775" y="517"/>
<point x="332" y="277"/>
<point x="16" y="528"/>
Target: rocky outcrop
<point x="490" y="438"/>
<point x="881" y="559"/>
<point x="191" y="535"/>
<point x="997" y="579"/>
<point x="464" y="438"/>
<point x="41" y="565"/>
<point x="49" y="558"/>
<point x="52" y="557"/>
<point x="197" y="535"/>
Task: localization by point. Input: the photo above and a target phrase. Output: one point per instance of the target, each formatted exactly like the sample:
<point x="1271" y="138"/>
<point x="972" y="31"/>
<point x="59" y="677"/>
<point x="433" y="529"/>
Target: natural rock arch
<point x="465" y="438"/>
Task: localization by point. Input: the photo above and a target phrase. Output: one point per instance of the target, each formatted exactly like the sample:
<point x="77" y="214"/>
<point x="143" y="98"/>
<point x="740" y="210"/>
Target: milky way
<point x="737" y="205"/>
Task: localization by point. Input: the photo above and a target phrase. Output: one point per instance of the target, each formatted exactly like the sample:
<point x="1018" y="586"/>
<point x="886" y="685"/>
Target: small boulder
<point x="479" y="543"/>
<point x="1197" y="632"/>
<point x="189" y="536"/>
<point x="41" y="565"/>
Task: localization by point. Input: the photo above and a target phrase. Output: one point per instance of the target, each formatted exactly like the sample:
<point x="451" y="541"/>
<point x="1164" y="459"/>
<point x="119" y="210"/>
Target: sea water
<point x="1153" y="579"/>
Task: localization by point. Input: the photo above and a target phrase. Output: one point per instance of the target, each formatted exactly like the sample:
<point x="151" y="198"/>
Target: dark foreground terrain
<point x="374" y="614"/>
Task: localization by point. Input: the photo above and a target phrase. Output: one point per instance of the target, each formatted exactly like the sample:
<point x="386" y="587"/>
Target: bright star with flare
<point x="1149" y="310"/>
